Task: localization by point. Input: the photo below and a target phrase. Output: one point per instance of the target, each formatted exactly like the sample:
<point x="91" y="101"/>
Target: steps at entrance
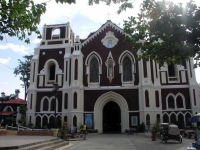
<point x="43" y="145"/>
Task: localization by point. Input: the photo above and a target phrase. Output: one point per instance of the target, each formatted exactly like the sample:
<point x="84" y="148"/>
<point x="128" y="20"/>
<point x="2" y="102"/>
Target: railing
<point x="23" y="128"/>
<point x="11" y="127"/>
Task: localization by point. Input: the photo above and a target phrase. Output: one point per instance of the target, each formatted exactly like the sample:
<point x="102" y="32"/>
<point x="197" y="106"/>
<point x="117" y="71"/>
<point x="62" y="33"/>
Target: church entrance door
<point x="111" y="118"/>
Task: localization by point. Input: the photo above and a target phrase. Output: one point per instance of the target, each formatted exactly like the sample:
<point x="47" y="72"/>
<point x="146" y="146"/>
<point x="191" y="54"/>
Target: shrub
<point x="141" y="127"/>
<point x="31" y="125"/>
<point x="155" y="128"/>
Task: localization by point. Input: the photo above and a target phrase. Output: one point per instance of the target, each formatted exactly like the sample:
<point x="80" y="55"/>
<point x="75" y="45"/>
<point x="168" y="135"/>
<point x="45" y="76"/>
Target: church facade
<point x="103" y="84"/>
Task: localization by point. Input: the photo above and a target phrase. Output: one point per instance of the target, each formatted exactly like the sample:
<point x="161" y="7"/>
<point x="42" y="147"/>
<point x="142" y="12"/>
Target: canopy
<point x="8" y="113"/>
<point x="195" y="118"/>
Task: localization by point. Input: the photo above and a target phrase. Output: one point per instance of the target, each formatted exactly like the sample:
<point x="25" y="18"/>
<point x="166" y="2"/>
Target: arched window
<point x="181" y="122"/>
<point x="76" y="70"/>
<point x="165" y="118"/>
<point x="187" y="116"/>
<point x="52" y="72"/>
<point x="75" y="100"/>
<point x="66" y="101"/>
<point x="127" y="70"/>
<point x="44" y="121"/>
<point x="30" y="119"/>
<point x="158" y="117"/>
<point x="38" y="122"/>
<point x="147" y="98"/>
<point x="173" y="118"/>
<point x="179" y="102"/>
<point x="75" y="121"/>
<point x="45" y="104"/>
<point x="194" y="97"/>
<point x="31" y="101"/>
<point x="157" y="98"/>
<point x="148" y="119"/>
<point x="65" y="118"/>
<point x="94" y="70"/>
<point x="171" y="102"/>
<point x="53" y="104"/>
<point x="93" y="65"/>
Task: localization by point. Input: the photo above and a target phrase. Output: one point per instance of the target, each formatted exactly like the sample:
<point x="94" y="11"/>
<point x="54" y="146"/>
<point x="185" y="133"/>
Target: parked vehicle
<point x="169" y="131"/>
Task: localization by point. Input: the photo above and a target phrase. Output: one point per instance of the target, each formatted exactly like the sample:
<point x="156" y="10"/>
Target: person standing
<point x="84" y="131"/>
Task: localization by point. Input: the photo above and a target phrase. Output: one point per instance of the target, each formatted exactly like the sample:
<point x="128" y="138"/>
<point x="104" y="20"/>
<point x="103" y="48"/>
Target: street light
<point x="55" y="89"/>
<point x="2" y="99"/>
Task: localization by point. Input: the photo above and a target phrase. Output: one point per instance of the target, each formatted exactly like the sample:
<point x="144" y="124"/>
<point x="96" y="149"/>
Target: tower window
<point x="52" y="72"/>
<point x="56" y="34"/>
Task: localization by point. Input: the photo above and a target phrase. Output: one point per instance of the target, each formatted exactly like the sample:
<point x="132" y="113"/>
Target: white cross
<point x="108" y="15"/>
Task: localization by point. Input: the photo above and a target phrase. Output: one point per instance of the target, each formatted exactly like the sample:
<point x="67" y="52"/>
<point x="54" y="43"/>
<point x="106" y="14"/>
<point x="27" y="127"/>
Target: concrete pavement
<point x="103" y="142"/>
<point x="10" y="141"/>
<point x="125" y="142"/>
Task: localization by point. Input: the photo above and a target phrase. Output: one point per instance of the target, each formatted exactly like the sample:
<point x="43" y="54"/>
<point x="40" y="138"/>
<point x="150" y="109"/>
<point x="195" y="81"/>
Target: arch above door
<point x="102" y="101"/>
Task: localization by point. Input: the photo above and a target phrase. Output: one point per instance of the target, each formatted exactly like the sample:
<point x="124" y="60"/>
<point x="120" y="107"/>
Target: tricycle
<point x="169" y="131"/>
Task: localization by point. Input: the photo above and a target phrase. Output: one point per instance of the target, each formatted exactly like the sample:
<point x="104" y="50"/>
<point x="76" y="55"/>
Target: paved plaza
<point x="125" y="142"/>
<point x="104" y="142"/>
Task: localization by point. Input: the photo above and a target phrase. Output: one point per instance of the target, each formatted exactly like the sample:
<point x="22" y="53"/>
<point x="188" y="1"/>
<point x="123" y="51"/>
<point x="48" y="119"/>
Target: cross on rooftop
<point x="108" y="15"/>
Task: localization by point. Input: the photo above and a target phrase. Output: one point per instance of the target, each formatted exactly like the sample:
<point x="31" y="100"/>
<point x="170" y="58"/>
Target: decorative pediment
<point x="107" y="24"/>
<point x="109" y="40"/>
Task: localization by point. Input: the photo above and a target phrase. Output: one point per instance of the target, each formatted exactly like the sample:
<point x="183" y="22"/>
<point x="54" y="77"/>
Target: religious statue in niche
<point x="110" y="63"/>
<point x="110" y="71"/>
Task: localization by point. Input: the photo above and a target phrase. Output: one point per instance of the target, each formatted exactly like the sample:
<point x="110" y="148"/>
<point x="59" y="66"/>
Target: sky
<point x="83" y="19"/>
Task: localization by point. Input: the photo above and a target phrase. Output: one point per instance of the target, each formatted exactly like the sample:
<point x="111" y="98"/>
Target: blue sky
<point x="83" y="20"/>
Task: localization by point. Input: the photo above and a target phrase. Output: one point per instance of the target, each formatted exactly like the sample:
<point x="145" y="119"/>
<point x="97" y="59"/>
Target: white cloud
<point x="59" y="12"/>
<point x="16" y="48"/>
<point x="4" y="83"/>
<point x="36" y="41"/>
<point x="5" y="61"/>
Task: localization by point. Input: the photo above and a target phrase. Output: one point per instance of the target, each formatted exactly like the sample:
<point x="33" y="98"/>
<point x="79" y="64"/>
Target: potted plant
<point x="154" y="129"/>
<point x="63" y="131"/>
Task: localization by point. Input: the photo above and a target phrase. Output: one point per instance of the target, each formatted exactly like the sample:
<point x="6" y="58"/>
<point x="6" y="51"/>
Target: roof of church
<point x="16" y="101"/>
<point x="94" y="34"/>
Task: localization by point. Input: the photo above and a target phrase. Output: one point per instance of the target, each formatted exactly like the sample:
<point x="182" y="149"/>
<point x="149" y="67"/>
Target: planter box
<point x="13" y="133"/>
<point x="38" y="133"/>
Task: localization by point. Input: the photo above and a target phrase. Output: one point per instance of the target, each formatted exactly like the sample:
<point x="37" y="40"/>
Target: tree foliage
<point x="124" y="3"/>
<point x="11" y="96"/>
<point x="171" y="31"/>
<point x="20" y="17"/>
<point x="22" y="111"/>
<point x="23" y="70"/>
<point x="163" y="31"/>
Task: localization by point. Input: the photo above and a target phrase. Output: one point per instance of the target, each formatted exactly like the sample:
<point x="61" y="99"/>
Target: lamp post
<point x="2" y="99"/>
<point x="55" y="89"/>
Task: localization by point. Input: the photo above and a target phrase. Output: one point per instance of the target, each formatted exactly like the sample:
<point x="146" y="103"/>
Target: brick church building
<point x="103" y="84"/>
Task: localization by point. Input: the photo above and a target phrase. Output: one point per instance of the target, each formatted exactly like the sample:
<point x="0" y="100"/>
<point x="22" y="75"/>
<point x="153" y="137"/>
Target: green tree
<point x="171" y="31"/>
<point x="22" y="111"/>
<point x="23" y="70"/>
<point x="20" y="17"/>
<point x="168" y="32"/>
<point x="9" y="120"/>
<point x="11" y="96"/>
